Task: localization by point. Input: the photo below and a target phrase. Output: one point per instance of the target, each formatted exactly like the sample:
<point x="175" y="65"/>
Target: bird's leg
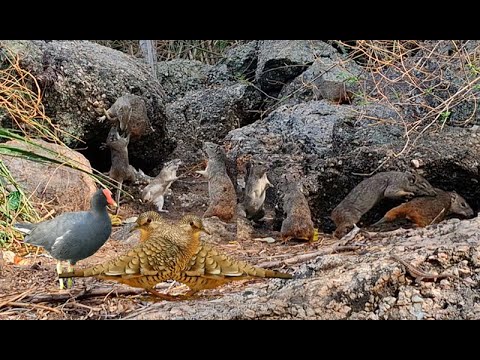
<point x="69" y="280"/>
<point x="117" y="198"/>
<point x="59" y="271"/>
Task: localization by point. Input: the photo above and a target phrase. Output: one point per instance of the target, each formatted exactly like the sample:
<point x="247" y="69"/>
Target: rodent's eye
<point x="463" y="205"/>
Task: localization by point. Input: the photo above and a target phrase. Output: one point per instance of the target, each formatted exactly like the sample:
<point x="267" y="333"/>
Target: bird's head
<point x="194" y="222"/>
<point x="101" y="198"/>
<point x="145" y="223"/>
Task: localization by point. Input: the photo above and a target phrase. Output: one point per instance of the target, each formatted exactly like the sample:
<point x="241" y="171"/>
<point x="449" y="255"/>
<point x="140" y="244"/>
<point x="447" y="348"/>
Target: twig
<point x="84" y="294"/>
<point x="375" y="170"/>
<point x="16" y="298"/>
<point x="38" y="306"/>
<point x="436" y="217"/>
<point x="83" y="306"/>
<point x="38" y="298"/>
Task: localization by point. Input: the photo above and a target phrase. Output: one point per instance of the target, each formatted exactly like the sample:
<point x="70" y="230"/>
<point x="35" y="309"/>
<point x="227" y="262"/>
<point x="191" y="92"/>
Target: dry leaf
<point x="9" y="257"/>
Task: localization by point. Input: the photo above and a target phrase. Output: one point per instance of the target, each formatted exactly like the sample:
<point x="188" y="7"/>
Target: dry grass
<point x="428" y="83"/>
<point x="21" y="100"/>
<point x="207" y="51"/>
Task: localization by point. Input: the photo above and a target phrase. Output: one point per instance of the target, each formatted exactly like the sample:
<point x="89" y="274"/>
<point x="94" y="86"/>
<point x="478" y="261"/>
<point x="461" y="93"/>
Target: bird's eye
<point x="192" y="223"/>
<point x="149" y="221"/>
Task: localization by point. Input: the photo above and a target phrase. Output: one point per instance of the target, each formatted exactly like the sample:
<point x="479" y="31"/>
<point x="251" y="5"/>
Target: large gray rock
<point x="80" y="78"/>
<point x="335" y="147"/>
<point x="180" y="76"/>
<point x="355" y="284"/>
<point x="280" y="61"/>
<point x="241" y="61"/>
<point x="208" y="115"/>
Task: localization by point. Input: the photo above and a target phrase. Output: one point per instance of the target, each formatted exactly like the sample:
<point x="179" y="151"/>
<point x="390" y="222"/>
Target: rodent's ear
<point x="453" y="196"/>
<point x="412" y="178"/>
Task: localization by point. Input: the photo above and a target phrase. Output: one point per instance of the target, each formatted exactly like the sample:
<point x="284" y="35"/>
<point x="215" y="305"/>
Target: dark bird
<point x="73" y="236"/>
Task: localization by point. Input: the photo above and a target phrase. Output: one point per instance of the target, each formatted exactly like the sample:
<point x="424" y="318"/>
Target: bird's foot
<point x="116" y="220"/>
<point x="62" y="284"/>
<point x="69" y="283"/>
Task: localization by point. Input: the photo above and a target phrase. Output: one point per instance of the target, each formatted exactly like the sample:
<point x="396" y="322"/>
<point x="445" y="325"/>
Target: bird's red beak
<point x="108" y="195"/>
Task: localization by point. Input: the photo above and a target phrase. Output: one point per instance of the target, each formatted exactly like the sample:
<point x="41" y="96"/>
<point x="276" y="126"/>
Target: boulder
<point x="63" y="188"/>
<point x="280" y="61"/>
<point x="179" y="76"/>
<point x="241" y="61"/>
<point x="332" y="284"/>
<point x="80" y="79"/>
<point x="334" y="147"/>
<point x="208" y="115"/>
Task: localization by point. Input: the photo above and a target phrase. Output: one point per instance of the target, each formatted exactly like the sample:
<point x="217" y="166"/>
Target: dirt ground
<point x="29" y="289"/>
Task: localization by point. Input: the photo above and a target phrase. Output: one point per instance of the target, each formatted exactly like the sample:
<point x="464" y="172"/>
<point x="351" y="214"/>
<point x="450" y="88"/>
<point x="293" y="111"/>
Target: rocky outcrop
<point x="334" y="147"/>
<point x="80" y="78"/>
<point x="357" y="284"/>
<point x="180" y="76"/>
<point x="241" y="61"/>
<point x="280" y="61"/>
<point x="63" y="188"/>
<point x="208" y="115"/>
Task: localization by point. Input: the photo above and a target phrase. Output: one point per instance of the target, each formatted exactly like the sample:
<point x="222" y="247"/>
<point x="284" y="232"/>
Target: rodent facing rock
<point x="424" y="211"/>
<point x="297" y="223"/>
<point x="387" y="184"/>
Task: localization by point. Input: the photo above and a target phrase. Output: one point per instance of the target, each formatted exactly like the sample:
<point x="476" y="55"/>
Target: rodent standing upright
<point x="120" y="170"/>
<point x="222" y="195"/>
<point x="155" y="191"/>
<point x="298" y="222"/>
<point x="255" y="190"/>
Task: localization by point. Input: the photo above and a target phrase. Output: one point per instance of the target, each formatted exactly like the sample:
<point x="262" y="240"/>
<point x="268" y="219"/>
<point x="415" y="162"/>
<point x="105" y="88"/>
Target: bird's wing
<point x="209" y="262"/>
<point x="49" y="232"/>
<point x="136" y="262"/>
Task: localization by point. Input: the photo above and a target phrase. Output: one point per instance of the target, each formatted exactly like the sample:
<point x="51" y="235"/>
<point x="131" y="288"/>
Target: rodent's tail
<point x="380" y="222"/>
<point x="398" y="212"/>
